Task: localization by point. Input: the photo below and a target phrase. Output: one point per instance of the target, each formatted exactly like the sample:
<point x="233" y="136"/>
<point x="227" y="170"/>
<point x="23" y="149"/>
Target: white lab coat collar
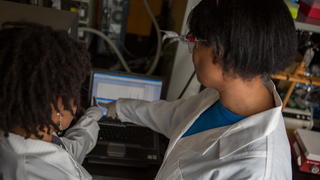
<point x="233" y="137"/>
<point x="30" y="146"/>
<point x="209" y="96"/>
<point x="248" y="130"/>
<point x="251" y="128"/>
<point x="48" y="152"/>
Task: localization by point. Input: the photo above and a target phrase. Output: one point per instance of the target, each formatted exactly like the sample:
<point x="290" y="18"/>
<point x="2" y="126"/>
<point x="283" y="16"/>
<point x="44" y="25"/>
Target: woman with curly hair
<point x="41" y="72"/>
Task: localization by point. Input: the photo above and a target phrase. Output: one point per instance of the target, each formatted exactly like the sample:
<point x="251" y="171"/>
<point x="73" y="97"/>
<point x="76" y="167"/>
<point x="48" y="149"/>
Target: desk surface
<point x="121" y="172"/>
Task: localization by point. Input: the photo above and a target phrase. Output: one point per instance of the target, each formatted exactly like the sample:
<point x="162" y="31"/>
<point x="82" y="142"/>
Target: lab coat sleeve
<point x="82" y="137"/>
<point x="157" y="115"/>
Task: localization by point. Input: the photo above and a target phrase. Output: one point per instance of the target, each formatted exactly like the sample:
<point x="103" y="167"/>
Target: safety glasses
<point x="192" y="42"/>
<point x="189" y="39"/>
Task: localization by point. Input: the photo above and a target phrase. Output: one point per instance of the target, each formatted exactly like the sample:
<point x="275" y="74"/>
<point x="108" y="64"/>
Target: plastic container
<point x="310" y="8"/>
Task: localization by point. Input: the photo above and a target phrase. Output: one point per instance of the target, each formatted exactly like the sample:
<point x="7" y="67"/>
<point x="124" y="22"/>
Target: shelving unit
<point x="298" y="76"/>
<point x="86" y="15"/>
<point x="307" y="24"/>
<point x="85" y="10"/>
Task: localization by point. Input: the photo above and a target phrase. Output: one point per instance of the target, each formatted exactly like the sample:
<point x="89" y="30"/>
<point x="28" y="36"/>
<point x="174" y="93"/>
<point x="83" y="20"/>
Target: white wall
<point x="182" y="65"/>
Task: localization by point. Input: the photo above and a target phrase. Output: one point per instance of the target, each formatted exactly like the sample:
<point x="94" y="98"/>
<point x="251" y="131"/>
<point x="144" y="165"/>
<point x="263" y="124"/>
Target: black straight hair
<point x="249" y="37"/>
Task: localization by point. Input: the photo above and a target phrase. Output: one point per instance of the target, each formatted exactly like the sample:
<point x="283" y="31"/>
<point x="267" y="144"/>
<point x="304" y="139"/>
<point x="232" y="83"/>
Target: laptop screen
<point x="108" y="87"/>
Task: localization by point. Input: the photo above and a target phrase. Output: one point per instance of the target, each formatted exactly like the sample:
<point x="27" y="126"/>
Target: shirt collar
<point x="22" y="145"/>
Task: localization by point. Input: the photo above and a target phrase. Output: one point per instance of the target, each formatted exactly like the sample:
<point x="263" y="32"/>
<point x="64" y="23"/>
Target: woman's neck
<point x="246" y="97"/>
<point x="45" y="136"/>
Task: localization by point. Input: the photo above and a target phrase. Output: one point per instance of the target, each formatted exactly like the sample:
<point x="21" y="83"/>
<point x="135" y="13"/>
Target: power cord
<point x="116" y="50"/>
<point x="109" y="41"/>
<point x="159" y="42"/>
<point x="187" y="85"/>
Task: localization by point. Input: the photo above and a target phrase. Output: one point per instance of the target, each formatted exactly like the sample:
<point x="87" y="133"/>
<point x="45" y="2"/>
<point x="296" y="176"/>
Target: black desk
<point x="121" y="172"/>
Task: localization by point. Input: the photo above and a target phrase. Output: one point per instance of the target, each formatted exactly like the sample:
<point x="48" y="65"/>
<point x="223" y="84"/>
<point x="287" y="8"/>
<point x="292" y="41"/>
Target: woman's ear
<point x="217" y="53"/>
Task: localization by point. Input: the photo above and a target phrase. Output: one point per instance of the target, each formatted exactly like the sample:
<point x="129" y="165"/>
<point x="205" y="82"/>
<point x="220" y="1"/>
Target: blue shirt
<point x="215" y="116"/>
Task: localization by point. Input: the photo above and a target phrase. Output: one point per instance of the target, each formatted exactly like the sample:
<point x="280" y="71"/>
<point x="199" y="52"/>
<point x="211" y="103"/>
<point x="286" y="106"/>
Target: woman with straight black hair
<point x="234" y="129"/>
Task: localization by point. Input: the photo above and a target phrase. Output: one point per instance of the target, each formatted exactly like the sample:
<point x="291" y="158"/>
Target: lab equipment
<point x="11" y="11"/>
<point x="296" y="118"/>
<point x="113" y="25"/>
<point x="124" y="143"/>
<point x="108" y="86"/>
<point x="182" y="67"/>
<point x="310" y="8"/>
<point x="306" y="150"/>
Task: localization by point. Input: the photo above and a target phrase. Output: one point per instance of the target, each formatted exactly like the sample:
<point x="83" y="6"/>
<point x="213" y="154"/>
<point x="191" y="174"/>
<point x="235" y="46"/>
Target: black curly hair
<point x="248" y="37"/>
<point x="38" y="65"/>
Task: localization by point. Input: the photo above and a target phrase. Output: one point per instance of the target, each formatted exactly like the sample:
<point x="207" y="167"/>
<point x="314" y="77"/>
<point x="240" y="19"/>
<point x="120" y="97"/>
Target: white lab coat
<point x="256" y="147"/>
<point x="32" y="159"/>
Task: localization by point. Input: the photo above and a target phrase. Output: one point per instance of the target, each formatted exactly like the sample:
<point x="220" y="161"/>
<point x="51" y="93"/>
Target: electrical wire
<point x="121" y="58"/>
<point x="187" y="85"/>
<point x="109" y="41"/>
<point x="125" y="49"/>
<point x="159" y="42"/>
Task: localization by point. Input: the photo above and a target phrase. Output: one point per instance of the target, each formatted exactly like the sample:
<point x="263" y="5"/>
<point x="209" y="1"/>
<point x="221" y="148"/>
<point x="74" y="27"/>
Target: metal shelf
<point x="85" y="22"/>
<point x="84" y="1"/>
<point x="307" y="27"/>
<point x="307" y="24"/>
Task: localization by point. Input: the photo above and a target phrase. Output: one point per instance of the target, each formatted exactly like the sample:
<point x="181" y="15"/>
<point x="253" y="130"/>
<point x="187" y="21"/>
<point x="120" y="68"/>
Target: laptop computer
<point x="124" y="143"/>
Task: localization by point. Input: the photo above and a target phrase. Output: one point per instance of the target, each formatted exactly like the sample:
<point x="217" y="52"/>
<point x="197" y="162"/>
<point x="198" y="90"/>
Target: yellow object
<point x="293" y="8"/>
<point x="74" y="9"/>
<point x="296" y="77"/>
<point x="139" y="21"/>
<point x="294" y="12"/>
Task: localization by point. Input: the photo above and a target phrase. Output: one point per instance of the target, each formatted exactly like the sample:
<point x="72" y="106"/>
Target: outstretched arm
<point x="82" y="137"/>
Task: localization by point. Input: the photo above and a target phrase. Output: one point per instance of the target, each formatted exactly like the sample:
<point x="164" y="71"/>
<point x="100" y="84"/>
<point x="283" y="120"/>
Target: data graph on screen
<point x="110" y="87"/>
<point x="115" y="91"/>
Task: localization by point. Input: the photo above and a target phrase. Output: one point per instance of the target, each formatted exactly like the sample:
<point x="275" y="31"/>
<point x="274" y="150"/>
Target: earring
<point x="60" y="124"/>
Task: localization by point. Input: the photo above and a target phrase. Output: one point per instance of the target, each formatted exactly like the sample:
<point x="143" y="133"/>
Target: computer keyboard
<point x="111" y="122"/>
<point x="128" y="135"/>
